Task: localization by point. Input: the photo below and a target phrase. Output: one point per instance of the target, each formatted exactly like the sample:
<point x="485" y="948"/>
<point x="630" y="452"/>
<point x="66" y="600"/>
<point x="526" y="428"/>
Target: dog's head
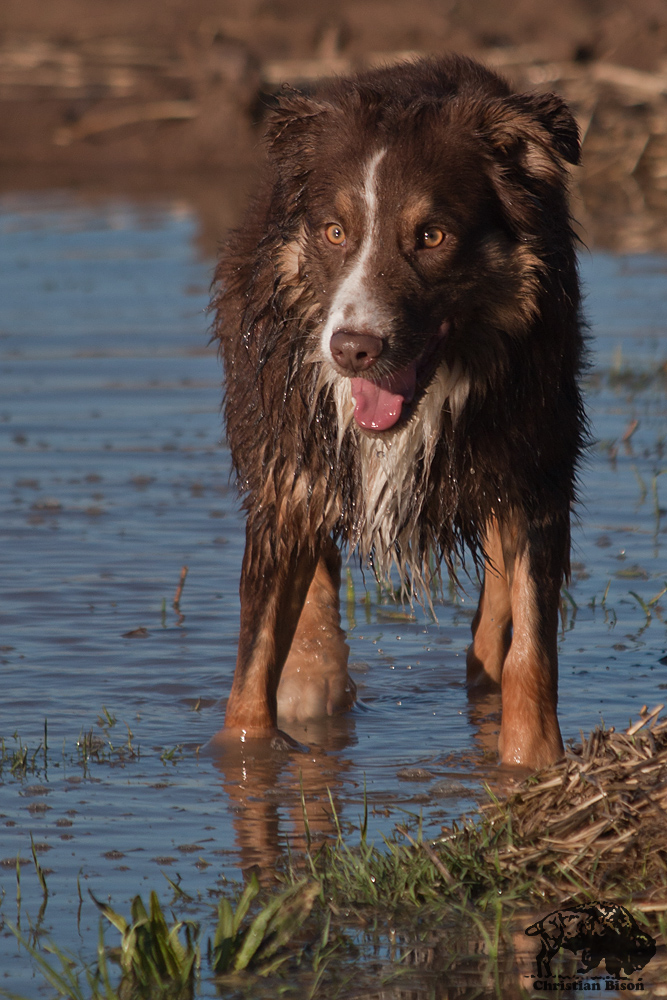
<point x="425" y="211"/>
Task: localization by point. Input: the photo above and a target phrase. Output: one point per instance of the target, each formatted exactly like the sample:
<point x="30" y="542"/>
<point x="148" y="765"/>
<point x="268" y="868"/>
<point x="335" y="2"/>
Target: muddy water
<point x="113" y="476"/>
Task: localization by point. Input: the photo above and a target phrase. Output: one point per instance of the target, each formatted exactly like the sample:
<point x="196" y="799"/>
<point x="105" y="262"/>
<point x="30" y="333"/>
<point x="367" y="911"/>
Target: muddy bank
<point x="89" y="90"/>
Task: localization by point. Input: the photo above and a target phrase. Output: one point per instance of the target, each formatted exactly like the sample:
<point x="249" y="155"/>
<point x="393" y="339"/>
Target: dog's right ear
<point x="294" y="124"/>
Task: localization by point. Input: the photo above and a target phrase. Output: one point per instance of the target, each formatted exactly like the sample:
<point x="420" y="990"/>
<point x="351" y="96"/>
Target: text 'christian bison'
<point x="597" y="930"/>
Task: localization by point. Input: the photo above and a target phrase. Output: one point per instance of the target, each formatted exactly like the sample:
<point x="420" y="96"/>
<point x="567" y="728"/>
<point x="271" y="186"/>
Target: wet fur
<point x="487" y="453"/>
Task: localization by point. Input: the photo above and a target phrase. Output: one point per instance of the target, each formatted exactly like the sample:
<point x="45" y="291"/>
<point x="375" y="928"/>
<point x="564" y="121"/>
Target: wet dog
<point x="399" y="322"/>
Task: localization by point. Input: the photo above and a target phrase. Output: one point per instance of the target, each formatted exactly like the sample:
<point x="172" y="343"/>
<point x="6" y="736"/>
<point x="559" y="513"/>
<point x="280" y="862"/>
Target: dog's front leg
<point x="535" y="559"/>
<point x="273" y="592"/>
<point x="315" y="682"/>
<point x="492" y="624"/>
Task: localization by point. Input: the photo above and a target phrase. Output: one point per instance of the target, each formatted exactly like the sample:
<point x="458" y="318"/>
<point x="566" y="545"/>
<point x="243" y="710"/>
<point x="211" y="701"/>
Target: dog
<point x="399" y="322"/>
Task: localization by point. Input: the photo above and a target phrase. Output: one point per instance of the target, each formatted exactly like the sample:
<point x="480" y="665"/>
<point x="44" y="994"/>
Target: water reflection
<point x="281" y="796"/>
<point x="217" y="200"/>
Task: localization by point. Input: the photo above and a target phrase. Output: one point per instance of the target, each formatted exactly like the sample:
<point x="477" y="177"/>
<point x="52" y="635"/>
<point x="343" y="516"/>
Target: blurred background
<point x="168" y="95"/>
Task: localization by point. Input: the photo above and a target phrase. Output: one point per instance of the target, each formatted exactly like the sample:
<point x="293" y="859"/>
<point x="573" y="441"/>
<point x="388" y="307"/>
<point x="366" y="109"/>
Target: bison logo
<point x="597" y="930"/>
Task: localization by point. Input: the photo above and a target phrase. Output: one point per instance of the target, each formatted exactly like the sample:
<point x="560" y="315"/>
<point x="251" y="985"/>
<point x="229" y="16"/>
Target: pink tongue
<point x="378" y="405"/>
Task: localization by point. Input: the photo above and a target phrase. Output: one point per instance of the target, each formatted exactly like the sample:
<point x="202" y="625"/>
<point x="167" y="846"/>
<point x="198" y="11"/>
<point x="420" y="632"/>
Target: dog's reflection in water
<point x="283" y="793"/>
<point x="279" y="793"/>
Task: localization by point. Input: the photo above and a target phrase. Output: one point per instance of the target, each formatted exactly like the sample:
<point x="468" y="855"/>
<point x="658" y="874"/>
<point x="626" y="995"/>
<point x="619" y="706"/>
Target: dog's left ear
<point x="553" y="114"/>
<point x="538" y="131"/>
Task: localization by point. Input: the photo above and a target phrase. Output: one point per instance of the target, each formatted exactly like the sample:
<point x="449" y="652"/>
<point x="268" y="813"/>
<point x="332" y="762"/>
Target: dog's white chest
<point x="394" y="472"/>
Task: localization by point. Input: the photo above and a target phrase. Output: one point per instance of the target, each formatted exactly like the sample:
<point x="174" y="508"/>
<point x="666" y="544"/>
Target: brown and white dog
<point x="399" y="322"/>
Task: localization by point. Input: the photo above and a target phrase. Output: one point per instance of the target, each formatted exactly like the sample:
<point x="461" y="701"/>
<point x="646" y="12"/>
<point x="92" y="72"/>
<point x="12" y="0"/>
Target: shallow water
<point x="113" y="477"/>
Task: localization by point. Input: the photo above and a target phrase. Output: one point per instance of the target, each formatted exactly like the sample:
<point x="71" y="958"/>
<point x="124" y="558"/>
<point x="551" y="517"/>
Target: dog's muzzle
<point x="355" y="352"/>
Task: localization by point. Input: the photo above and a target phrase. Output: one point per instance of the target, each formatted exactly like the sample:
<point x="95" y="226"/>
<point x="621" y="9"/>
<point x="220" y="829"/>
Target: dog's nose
<point x="355" y="352"/>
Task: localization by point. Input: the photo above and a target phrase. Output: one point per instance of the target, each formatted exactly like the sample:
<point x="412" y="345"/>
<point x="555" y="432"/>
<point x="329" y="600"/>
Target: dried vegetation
<point x="590" y="826"/>
<point x="594" y="823"/>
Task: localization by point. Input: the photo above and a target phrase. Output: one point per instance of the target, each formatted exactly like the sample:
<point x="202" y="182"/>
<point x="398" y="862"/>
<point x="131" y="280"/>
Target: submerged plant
<point x="153" y="959"/>
<point x="257" y="944"/>
<point x="66" y="977"/>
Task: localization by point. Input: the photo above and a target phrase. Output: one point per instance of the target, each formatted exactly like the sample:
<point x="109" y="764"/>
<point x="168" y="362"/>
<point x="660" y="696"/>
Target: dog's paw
<point x="533" y="750"/>
<point x="231" y="738"/>
<point x="314" y="687"/>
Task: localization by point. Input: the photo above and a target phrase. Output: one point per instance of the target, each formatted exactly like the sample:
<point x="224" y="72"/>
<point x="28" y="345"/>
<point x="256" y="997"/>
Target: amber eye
<point x="335" y="234"/>
<point x="431" y="237"/>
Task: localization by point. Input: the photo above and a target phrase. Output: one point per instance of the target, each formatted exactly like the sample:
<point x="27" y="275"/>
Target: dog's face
<point x="408" y="239"/>
<point x="399" y="239"/>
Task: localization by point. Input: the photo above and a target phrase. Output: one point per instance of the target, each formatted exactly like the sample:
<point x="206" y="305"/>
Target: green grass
<point x="162" y="961"/>
<point x="258" y="943"/>
<point x="154" y="959"/>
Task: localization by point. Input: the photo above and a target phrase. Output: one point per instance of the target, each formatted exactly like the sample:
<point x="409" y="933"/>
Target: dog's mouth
<point x="378" y="406"/>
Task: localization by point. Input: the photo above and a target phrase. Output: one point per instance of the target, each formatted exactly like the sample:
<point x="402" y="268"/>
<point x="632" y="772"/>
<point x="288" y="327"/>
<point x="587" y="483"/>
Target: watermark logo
<point x="594" y="931"/>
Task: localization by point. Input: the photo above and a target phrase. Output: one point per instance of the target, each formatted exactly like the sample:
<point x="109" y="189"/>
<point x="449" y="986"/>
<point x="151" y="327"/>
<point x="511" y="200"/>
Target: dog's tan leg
<point x="492" y="624"/>
<point x="515" y="642"/>
<point x="529" y="732"/>
<point x="272" y="598"/>
<point x="315" y="681"/>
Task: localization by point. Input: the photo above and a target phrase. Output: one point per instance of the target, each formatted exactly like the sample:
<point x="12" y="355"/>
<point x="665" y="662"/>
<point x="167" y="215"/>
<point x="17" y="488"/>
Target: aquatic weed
<point x="172" y="754"/>
<point x="256" y="945"/>
<point x="20" y="759"/>
<point x="66" y="979"/>
<point x="153" y="959"/>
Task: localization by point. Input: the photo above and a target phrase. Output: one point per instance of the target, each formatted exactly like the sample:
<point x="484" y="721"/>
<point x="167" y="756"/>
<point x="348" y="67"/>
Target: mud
<point x="147" y="94"/>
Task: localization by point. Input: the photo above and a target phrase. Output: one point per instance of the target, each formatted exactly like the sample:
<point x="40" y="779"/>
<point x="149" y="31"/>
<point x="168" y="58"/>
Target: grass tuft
<point x="256" y="945"/>
<point x="154" y="961"/>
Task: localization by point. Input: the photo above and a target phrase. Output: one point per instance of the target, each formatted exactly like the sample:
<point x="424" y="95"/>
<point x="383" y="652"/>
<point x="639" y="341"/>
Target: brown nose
<point x="355" y="352"/>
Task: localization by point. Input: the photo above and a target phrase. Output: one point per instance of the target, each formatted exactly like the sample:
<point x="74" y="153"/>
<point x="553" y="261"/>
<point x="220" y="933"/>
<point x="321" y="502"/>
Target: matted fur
<point x="494" y="432"/>
<point x="284" y="427"/>
<point x="394" y="480"/>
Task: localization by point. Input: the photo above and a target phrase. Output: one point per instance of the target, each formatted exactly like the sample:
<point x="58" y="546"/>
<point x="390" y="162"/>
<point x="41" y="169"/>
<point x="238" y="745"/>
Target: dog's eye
<point x="335" y="234"/>
<point x="430" y="237"/>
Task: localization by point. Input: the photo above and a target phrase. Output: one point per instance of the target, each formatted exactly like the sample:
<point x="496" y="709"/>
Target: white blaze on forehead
<point x="353" y="306"/>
